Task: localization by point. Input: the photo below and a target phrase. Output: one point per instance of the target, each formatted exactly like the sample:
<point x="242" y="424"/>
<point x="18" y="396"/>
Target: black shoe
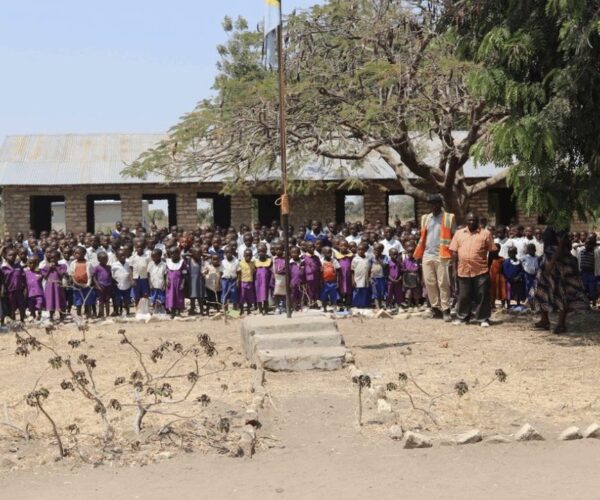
<point x="447" y="316"/>
<point x="433" y="314"/>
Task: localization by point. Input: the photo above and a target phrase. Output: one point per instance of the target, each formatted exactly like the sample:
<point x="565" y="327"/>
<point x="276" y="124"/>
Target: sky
<point x="101" y="66"/>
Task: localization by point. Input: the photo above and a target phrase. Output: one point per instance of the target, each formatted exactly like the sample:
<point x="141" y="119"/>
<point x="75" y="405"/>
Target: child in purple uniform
<point x="297" y="278"/>
<point x="54" y="292"/>
<point x="14" y="282"/>
<point x="395" y="295"/>
<point x="176" y="272"/>
<point x="411" y="277"/>
<point x="312" y="268"/>
<point x="262" y="279"/>
<point x="344" y="257"/>
<point x="103" y="283"/>
<point x="35" y="292"/>
<point x="279" y="277"/>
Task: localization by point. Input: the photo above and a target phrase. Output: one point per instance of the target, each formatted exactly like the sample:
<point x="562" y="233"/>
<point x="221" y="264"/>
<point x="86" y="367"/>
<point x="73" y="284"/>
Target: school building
<point x="44" y="176"/>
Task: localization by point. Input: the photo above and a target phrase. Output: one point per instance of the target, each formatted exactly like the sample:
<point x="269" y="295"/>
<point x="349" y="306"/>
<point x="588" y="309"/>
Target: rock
<point x="165" y="454"/>
<point x="570" y="434"/>
<point x="349" y="358"/>
<point x="592" y="432"/>
<point x="379" y="392"/>
<point x="250" y="417"/>
<point x="528" y="433"/>
<point x="470" y="437"/>
<point x="355" y="372"/>
<point x="498" y="439"/>
<point x="383" y="406"/>
<point x="396" y="432"/>
<point x="415" y="440"/>
<point x="13" y="449"/>
<point x="446" y="441"/>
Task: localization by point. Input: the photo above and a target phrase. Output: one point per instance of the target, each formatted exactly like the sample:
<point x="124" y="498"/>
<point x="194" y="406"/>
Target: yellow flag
<point x="273" y="3"/>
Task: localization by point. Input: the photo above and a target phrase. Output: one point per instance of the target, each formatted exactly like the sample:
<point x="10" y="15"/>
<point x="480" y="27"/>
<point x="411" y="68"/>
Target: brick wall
<point x="375" y="203"/>
<point x="321" y="205"/>
<point x="241" y="209"/>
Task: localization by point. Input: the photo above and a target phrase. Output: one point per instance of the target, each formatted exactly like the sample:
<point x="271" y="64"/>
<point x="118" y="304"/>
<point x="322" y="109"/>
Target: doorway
<point x="45" y="213"/>
<point x="264" y="209"/>
<point x="501" y="206"/>
<point x="214" y="209"/>
<point x="349" y="207"/>
<point x="162" y="209"/>
<point x="103" y="211"/>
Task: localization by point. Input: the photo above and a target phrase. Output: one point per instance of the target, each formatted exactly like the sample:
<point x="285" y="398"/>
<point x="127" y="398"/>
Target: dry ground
<point x="311" y="445"/>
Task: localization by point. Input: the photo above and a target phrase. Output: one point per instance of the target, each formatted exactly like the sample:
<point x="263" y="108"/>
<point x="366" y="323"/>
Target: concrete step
<point x="278" y="325"/>
<point x="302" y="358"/>
<point x="290" y="340"/>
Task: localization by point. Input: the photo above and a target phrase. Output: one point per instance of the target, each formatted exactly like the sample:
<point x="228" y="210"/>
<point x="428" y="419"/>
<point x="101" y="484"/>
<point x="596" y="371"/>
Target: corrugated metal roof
<point x="99" y="159"/>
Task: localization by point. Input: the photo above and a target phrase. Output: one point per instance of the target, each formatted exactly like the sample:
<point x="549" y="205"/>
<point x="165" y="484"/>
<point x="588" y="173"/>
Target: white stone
<point x="250" y="416"/>
<point x="383" y="406"/>
<point x="528" y="433"/>
<point x="592" y="432"/>
<point x="415" y="440"/>
<point x="355" y="372"/>
<point x="498" y="439"/>
<point x="396" y="432"/>
<point x="379" y="392"/>
<point x="470" y="437"/>
<point x="165" y="454"/>
<point x="570" y="434"/>
<point x="349" y="358"/>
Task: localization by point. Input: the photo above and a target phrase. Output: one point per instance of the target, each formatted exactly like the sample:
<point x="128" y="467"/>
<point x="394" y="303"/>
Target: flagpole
<point x="285" y="204"/>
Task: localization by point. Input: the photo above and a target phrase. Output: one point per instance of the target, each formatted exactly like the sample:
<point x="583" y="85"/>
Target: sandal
<point x="558" y="330"/>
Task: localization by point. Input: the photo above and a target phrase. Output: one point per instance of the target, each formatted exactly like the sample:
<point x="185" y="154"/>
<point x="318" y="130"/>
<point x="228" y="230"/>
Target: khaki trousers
<point x="436" y="275"/>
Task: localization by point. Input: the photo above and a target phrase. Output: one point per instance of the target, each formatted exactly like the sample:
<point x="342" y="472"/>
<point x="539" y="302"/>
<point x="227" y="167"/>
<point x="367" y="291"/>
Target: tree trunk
<point x="456" y="204"/>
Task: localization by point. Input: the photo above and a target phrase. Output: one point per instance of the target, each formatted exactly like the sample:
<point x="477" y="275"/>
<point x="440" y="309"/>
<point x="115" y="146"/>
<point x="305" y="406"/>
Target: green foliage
<point x="540" y="60"/>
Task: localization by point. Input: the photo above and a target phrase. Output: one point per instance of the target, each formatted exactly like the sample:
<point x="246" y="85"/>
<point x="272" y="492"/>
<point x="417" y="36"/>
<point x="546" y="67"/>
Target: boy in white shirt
<point x="229" y="279"/>
<point x="121" y="273"/>
<point x="157" y="272"/>
<point x="139" y="262"/>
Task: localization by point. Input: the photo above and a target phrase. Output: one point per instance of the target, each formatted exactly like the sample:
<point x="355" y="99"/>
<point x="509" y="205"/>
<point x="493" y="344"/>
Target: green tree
<point x="539" y="59"/>
<point x="367" y="80"/>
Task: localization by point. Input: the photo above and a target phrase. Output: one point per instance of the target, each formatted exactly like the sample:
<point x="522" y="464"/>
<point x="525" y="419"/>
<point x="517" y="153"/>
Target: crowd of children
<point x="204" y="270"/>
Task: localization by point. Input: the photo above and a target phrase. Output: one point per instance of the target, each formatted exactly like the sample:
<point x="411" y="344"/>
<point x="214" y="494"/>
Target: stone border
<point x="251" y="421"/>
<point x="412" y="439"/>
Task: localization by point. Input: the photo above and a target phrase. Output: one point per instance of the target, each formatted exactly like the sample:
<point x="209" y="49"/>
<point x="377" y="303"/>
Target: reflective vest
<point x="445" y="235"/>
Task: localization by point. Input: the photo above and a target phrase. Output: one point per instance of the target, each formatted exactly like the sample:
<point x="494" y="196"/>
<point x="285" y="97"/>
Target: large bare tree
<point x="367" y="80"/>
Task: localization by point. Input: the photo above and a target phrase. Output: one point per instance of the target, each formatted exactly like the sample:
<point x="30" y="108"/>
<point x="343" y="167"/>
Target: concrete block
<point x="302" y="358"/>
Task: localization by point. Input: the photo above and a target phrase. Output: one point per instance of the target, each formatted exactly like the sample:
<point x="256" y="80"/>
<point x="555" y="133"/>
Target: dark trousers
<point x="474" y="298"/>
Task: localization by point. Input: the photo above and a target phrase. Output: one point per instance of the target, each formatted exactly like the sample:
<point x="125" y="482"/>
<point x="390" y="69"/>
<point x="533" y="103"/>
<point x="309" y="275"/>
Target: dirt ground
<point x="311" y="445"/>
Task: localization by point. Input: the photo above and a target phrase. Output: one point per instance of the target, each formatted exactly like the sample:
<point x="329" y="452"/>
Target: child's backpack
<point x="410" y="279"/>
<point x="329" y="272"/>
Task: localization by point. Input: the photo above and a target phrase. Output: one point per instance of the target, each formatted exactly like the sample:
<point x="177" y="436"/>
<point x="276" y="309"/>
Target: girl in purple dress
<point x="344" y="257"/>
<point x="14" y="282"/>
<point x="312" y="268"/>
<point x="35" y="292"/>
<point x="176" y="271"/>
<point x="411" y="277"/>
<point x="279" y="277"/>
<point x="103" y="283"/>
<point x="395" y="293"/>
<point x="297" y="278"/>
<point x="54" y="292"/>
<point x="262" y="280"/>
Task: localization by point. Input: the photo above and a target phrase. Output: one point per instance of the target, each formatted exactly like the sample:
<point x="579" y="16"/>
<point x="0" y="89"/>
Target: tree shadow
<point x="384" y="345"/>
<point x="583" y="330"/>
